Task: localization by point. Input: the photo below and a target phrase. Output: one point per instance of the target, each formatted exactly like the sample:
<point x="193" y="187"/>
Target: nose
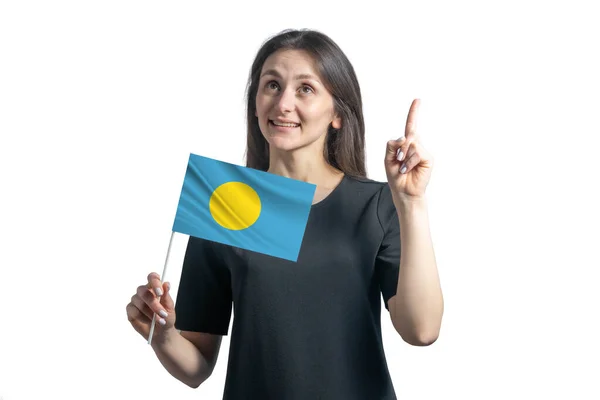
<point x="285" y="103"/>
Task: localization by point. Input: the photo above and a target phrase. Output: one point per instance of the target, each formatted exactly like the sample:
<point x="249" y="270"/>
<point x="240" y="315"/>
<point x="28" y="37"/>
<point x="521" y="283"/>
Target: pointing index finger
<point x="411" y="120"/>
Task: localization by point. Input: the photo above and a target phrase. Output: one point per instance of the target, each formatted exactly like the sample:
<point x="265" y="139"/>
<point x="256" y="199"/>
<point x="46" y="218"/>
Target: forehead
<point x="298" y="61"/>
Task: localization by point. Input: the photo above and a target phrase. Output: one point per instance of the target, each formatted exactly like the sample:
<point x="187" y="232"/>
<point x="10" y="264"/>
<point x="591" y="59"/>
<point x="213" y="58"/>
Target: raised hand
<point x="407" y="164"/>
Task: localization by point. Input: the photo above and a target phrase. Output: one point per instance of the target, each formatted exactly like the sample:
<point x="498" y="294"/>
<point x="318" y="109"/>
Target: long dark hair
<point x="344" y="148"/>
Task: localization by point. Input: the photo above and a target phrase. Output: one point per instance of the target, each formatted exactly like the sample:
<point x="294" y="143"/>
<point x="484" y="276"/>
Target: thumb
<point x="166" y="300"/>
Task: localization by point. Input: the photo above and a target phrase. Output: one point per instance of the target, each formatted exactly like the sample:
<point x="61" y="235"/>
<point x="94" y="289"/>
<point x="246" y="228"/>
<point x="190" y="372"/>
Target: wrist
<point x="407" y="204"/>
<point x="163" y="337"/>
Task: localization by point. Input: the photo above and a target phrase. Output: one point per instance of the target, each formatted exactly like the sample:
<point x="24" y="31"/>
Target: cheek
<point x="261" y="113"/>
<point x="259" y="107"/>
<point x="317" y="110"/>
<point x="263" y="101"/>
<point x="316" y="117"/>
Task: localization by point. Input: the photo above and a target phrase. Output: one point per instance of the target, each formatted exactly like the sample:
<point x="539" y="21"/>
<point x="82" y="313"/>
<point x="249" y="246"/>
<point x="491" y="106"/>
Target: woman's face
<point x="293" y="107"/>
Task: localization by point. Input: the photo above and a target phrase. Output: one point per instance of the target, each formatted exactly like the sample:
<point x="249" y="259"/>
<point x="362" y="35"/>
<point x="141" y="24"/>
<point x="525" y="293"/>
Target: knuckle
<point x="146" y="296"/>
<point x="141" y="291"/>
<point x="149" y="299"/>
<point x="131" y="312"/>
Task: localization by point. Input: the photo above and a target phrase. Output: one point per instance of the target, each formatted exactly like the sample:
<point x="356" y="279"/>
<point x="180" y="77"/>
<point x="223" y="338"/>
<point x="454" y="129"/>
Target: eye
<point x="272" y="85"/>
<point x="306" y="89"/>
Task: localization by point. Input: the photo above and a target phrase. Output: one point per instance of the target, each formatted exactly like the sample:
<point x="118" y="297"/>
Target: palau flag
<point x="243" y="207"/>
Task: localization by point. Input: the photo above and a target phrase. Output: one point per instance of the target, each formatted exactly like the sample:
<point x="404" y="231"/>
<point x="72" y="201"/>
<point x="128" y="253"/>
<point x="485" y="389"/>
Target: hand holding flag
<point x="241" y="207"/>
<point x="149" y="300"/>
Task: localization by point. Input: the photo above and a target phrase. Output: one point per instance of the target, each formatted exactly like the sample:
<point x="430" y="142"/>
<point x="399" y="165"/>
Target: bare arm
<point x="417" y="308"/>
<point x="189" y="357"/>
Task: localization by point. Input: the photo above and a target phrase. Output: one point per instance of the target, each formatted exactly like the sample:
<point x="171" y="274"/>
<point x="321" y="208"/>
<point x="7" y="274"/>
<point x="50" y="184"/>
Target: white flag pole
<point x="162" y="280"/>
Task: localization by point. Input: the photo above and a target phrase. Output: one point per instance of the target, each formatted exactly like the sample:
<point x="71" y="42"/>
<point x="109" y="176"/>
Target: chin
<point x="283" y="144"/>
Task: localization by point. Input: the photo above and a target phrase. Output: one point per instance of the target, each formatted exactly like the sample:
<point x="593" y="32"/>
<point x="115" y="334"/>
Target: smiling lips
<point x="284" y="124"/>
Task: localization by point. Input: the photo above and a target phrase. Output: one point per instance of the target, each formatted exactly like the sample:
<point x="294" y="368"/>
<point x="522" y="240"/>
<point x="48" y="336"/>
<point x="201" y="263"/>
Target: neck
<point x="303" y="166"/>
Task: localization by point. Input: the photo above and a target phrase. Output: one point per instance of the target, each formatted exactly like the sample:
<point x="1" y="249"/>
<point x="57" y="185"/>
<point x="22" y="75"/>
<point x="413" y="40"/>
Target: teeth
<point x="285" y="124"/>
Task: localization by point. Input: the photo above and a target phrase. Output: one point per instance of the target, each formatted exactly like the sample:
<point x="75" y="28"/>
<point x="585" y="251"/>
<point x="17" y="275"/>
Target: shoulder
<point x="363" y="185"/>
<point x="206" y="252"/>
<point x="368" y="187"/>
<point x="374" y="193"/>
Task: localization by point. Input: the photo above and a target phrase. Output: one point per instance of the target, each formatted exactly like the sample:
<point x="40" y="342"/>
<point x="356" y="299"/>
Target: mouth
<point x="283" y="125"/>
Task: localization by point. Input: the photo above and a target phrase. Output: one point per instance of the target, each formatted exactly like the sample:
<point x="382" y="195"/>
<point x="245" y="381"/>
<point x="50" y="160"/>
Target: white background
<point x="102" y="102"/>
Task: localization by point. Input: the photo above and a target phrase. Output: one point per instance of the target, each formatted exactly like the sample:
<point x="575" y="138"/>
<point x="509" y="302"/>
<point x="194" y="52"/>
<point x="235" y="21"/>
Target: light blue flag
<point x="243" y="207"/>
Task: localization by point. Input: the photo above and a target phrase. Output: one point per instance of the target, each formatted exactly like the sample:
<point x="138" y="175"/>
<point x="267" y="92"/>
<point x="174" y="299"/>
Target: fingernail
<point x="163" y="313"/>
<point x="403" y="170"/>
<point x="401" y="138"/>
<point x="158" y="291"/>
<point x="400" y="155"/>
<point x="161" y="321"/>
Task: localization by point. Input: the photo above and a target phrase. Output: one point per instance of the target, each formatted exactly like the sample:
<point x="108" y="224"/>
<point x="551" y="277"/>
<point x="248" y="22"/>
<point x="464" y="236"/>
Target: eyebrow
<point x="298" y="77"/>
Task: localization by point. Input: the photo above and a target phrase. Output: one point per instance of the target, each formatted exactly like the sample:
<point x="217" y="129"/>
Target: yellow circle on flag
<point x="235" y="205"/>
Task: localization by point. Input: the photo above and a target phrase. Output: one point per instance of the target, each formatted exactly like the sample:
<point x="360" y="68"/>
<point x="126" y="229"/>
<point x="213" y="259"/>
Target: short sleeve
<point x="204" y="299"/>
<point x="387" y="262"/>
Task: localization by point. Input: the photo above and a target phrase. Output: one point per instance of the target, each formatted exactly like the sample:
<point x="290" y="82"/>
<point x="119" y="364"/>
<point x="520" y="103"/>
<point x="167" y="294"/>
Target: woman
<point x="309" y="329"/>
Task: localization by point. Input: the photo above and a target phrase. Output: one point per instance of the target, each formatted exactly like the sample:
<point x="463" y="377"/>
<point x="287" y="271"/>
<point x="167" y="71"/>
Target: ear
<point x="336" y="123"/>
